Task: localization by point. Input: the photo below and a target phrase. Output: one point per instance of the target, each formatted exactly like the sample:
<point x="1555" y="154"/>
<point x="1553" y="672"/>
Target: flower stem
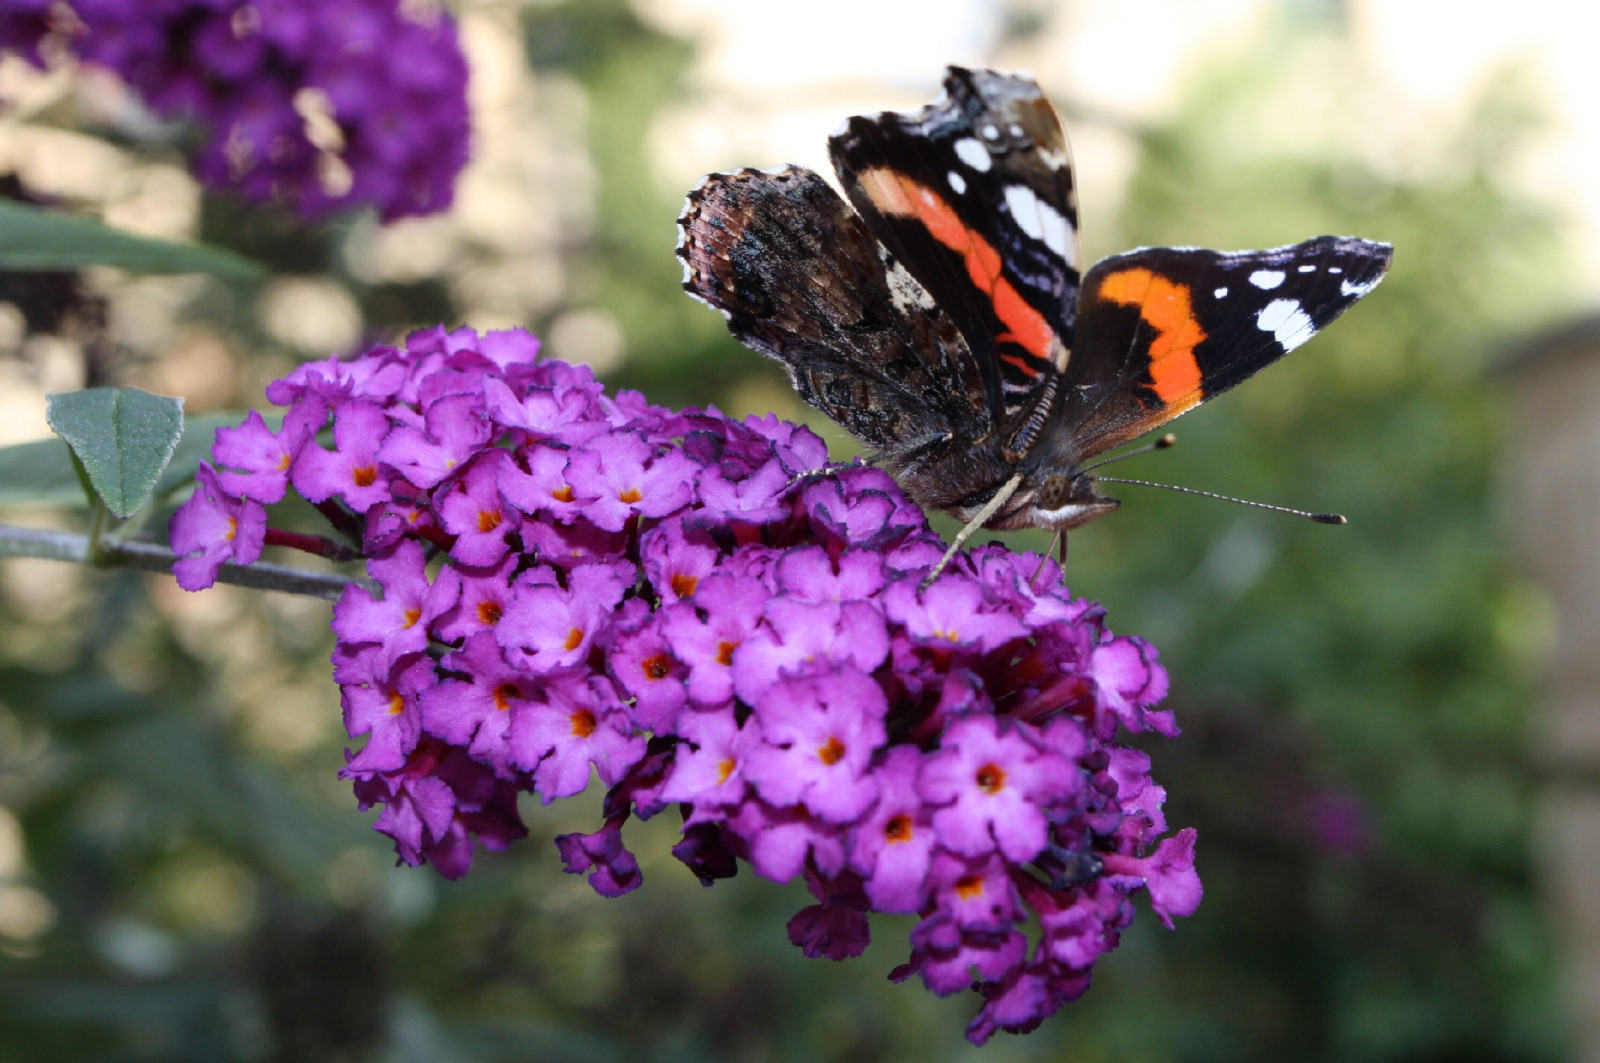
<point x="17" y="541"/>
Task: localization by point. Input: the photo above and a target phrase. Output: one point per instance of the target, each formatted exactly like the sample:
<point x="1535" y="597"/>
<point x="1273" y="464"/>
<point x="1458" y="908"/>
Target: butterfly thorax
<point x="960" y="475"/>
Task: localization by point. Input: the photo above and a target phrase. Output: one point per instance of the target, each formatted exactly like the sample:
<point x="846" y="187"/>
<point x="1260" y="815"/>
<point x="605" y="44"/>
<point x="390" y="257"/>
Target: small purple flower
<point x="836" y="927"/>
<point x="394" y="622"/>
<point x="954" y="611"/>
<point x="892" y="846"/>
<point x="801" y="636"/>
<point x="613" y="870"/>
<point x="454" y="431"/>
<point x="642" y="663"/>
<point x="618" y="472"/>
<point x="571" y="727"/>
<point x="1168" y="873"/>
<point x="384" y="708"/>
<point x="258" y="458"/>
<point x="351" y="471"/>
<point x="544" y="488"/>
<point x="476" y="712"/>
<point x="708" y="768"/>
<point x="549" y="627"/>
<point x="217" y="526"/>
<point x="991" y="786"/>
<point x="819" y="735"/>
<point x="476" y="514"/>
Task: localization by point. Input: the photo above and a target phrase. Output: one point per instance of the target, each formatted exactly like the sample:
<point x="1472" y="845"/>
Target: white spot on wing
<point x="1219" y="293"/>
<point x="973" y="154"/>
<point x="990" y="132"/>
<point x="907" y="294"/>
<point x="1289" y="324"/>
<point x="1335" y="269"/>
<point x="1352" y="290"/>
<point x="1306" y="269"/>
<point x="1041" y="221"/>
<point x="957" y="182"/>
<point x="1267" y="279"/>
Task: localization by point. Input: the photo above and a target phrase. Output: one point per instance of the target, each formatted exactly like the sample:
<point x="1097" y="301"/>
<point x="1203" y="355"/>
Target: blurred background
<point x="1389" y="746"/>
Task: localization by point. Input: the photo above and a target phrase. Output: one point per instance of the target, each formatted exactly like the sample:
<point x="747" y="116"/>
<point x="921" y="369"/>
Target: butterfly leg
<point x="990" y="508"/>
<point x="827" y="470"/>
<point x="1059" y="538"/>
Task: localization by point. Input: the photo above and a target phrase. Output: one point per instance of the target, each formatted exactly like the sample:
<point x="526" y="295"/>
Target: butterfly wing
<point x="974" y="195"/>
<point x="800" y="279"/>
<point x="1160" y="330"/>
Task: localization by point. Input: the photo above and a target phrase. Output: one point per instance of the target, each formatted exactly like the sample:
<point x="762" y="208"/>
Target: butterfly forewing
<point x="974" y="195"/>
<point x="1162" y="329"/>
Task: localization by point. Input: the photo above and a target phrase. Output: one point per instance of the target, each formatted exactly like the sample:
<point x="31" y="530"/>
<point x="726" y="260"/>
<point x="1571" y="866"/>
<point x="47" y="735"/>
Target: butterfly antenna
<point x="990" y="508"/>
<point x="1161" y="444"/>
<point x="1320" y="518"/>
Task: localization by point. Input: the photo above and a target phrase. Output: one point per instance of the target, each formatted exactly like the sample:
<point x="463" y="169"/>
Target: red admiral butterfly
<point x="945" y="323"/>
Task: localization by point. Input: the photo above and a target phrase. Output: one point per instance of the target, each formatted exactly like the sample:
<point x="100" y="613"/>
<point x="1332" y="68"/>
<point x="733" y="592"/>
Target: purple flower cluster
<point x="319" y="105"/>
<point x="705" y="614"/>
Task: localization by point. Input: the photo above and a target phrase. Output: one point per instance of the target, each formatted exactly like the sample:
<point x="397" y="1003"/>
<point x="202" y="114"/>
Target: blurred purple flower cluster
<point x="705" y="614"/>
<point x="319" y="105"/>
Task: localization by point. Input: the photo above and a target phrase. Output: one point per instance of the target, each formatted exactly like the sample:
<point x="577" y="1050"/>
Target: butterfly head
<point x="1055" y="500"/>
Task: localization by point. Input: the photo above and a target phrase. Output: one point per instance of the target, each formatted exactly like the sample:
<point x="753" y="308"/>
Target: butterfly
<point x="946" y="321"/>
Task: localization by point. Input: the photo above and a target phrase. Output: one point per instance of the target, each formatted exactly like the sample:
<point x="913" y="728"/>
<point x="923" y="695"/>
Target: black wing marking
<point x="974" y="194"/>
<point x="1160" y="330"/>
<point x="801" y="280"/>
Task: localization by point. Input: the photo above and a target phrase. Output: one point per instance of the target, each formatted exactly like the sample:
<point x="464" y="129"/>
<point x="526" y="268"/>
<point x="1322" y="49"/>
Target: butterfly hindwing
<point x="1160" y="330"/>
<point x="974" y="194"/>
<point x="799" y="279"/>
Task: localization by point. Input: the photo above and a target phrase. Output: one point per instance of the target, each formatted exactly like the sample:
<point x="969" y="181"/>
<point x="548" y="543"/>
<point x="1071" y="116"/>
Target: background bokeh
<point x="182" y="875"/>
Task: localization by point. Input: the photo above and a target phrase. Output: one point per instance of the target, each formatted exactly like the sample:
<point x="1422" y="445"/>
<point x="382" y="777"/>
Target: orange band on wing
<point x="1165" y="307"/>
<point x="896" y="194"/>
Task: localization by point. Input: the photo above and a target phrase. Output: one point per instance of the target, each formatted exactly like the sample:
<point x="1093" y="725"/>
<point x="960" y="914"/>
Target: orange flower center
<point x="562" y="493"/>
<point x="630" y="496"/>
<point x="683" y="585"/>
<point x="364" y="476"/>
<point x="574" y="638"/>
<point x="991" y="778"/>
<point x="898" y="829"/>
<point x="488" y="613"/>
<point x="656" y="667"/>
<point x="725" y="651"/>
<point x="503" y="695"/>
<point x="488" y="520"/>
<point x="583" y="723"/>
<point x="831" y="752"/>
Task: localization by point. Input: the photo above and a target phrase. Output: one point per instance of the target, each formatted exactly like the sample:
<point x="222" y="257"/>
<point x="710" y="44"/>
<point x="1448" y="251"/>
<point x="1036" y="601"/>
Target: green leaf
<point x="123" y="436"/>
<point x="34" y="239"/>
<point x="42" y="471"/>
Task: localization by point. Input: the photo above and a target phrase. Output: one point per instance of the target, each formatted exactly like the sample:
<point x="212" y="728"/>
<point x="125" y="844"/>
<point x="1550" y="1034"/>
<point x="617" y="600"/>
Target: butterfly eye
<point x="1054" y="492"/>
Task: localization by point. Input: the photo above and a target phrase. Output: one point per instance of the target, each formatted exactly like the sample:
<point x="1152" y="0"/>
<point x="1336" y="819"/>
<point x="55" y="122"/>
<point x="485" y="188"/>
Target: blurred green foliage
<point x="1353" y="698"/>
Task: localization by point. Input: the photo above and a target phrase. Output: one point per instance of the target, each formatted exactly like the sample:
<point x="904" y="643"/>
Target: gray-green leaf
<point x="123" y="436"/>
<point x="34" y="239"/>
